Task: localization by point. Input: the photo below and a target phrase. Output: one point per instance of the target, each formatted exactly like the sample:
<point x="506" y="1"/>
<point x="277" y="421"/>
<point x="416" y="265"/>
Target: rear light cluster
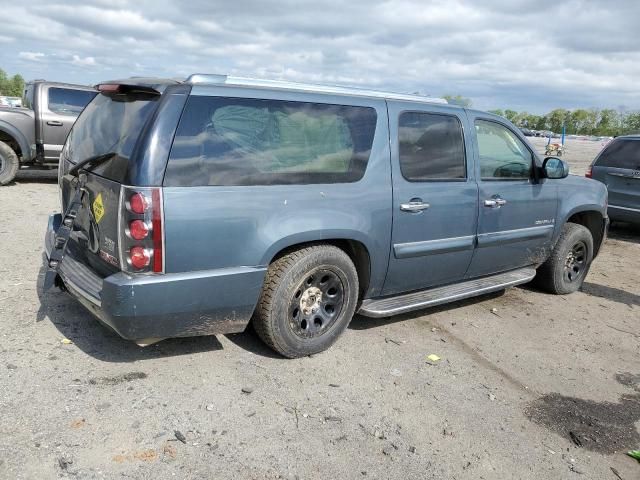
<point x="141" y="230"/>
<point x="589" y="173"/>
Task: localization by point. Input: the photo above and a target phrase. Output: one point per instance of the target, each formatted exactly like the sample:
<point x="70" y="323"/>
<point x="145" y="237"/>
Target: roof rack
<point x="218" y="79"/>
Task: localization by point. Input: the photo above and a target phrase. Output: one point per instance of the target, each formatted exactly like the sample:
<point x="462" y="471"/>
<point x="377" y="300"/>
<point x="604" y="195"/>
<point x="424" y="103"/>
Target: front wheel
<point x="9" y="164"/>
<point x="566" y="268"/>
<point x="307" y="301"/>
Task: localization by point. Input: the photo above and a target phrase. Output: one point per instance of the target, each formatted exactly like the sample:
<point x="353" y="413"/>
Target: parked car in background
<point x="195" y="207"/>
<point x="618" y="167"/>
<point x="526" y="132"/>
<point x="34" y="135"/>
<point x="10" y="101"/>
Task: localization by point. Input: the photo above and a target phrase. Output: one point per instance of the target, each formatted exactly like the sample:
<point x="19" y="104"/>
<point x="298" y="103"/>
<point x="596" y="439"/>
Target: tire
<point x="308" y="299"/>
<point x="9" y="164"/>
<point x="566" y="268"/>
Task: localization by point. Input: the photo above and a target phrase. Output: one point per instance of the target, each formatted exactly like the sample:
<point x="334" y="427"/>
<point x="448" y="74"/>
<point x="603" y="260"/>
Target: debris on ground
<point x="575" y="439"/>
<point x="179" y="436"/>
<point x="395" y="342"/>
<point x="247" y="390"/>
<point x="66" y="341"/>
<point x="433" y="357"/>
<point x="634" y="454"/>
<point x="64" y="462"/>
<point x="396" y="373"/>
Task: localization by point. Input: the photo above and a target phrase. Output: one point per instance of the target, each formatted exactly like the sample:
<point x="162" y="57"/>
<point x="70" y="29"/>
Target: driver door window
<point x="503" y="156"/>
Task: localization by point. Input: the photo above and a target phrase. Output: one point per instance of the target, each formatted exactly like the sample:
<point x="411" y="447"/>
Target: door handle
<point x="495" y="202"/>
<point x="414" y="206"/>
<point x="54" y="123"/>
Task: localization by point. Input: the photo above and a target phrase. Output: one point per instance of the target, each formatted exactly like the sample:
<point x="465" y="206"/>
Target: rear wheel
<point x="565" y="270"/>
<point x="9" y="164"/>
<point x="307" y="301"/>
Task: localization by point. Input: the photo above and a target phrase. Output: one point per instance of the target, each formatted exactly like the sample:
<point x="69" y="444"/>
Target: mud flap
<point x="62" y="238"/>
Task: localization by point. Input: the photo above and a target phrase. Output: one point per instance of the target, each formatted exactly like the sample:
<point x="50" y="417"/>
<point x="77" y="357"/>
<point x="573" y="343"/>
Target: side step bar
<point x="385" y="307"/>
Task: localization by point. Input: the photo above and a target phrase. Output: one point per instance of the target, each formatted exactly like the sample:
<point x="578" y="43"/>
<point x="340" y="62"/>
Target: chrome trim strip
<point x="625" y="208"/>
<point x="432" y="247"/>
<point x="517" y="235"/>
<point x="233" y="81"/>
<point x="625" y="175"/>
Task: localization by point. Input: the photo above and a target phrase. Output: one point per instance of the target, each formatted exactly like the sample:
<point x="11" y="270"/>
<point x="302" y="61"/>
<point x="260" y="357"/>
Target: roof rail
<point x="218" y="79"/>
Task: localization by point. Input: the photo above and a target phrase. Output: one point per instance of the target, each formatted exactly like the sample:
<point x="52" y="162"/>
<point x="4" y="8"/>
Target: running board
<point x="385" y="307"/>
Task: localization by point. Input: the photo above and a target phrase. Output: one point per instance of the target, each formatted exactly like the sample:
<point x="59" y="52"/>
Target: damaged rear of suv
<point x="197" y="207"/>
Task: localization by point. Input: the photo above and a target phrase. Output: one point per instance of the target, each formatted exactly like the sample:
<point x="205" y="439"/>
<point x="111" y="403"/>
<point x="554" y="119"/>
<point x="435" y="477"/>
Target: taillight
<point x="138" y="203"/>
<point x="589" y="173"/>
<point x="138" y="230"/>
<point x="141" y="230"/>
<point x="139" y="257"/>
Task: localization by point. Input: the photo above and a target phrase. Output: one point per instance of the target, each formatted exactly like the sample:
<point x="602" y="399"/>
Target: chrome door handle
<point x="414" y="206"/>
<point x="54" y="123"/>
<point x="495" y="202"/>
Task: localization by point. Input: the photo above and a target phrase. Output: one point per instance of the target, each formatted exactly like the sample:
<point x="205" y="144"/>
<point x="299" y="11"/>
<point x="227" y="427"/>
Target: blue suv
<point x="198" y="207"/>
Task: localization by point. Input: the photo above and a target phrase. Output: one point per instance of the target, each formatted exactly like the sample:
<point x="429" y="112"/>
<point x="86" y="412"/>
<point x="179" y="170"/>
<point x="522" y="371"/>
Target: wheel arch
<point x="16" y="140"/>
<point x="356" y="249"/>
<point x="593" y="220"/>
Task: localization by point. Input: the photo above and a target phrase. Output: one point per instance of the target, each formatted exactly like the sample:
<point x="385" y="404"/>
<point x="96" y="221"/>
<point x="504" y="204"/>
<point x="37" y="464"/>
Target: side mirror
<point x="555" y="168"/>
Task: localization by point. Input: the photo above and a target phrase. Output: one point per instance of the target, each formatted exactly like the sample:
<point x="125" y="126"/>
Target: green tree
<point x="12" y="87"/>
<point x="510" y="115"/>
<point x="498" y="112"/>
<point x="608" y="122"/>
<point x="557" y="118"/>
<point x="458" y="100"/>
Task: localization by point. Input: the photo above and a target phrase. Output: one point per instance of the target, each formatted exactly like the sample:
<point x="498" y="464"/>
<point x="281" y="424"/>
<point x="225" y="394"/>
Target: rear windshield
<point x="621" y="154"/>
<point x="110" y="123"/>
<point x="239" y="141"/>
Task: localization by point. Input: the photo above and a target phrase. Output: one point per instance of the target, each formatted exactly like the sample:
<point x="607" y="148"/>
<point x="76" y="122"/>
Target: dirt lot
<point x="516" y="391"/>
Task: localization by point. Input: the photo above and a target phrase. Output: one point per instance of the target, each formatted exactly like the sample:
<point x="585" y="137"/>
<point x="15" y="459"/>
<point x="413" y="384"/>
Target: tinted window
<point x="235" y="141"/>
<point x="621" y="154"/>
<point x="69" y="102"/>
<point x="110" y="124"/>
<point x="431" y="147"/>
<point x="502" y="154"/>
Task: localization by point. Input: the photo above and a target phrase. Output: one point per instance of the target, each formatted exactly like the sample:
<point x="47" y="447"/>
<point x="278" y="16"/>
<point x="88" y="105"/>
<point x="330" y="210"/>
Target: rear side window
<point x="111" y="123"/>
<point x="431" y="147"/>
<point x="64" y="101"/>
<point x="237" y="141"/>
<point x="621" y="154"/>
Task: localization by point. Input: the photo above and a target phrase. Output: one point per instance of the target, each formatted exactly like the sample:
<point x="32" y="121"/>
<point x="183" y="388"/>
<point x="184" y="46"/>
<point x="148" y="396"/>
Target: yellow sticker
<point x="98" y="208"/>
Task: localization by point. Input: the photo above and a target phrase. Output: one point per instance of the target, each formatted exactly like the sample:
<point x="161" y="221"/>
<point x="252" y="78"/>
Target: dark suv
<point x="618" y="167"/>
<point x="195" y="207"/>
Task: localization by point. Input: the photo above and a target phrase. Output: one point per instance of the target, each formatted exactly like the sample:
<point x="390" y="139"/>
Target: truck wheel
<point x="9" y="164"/>
<point x="307" y="301"/>
<point x="566" y="268"/>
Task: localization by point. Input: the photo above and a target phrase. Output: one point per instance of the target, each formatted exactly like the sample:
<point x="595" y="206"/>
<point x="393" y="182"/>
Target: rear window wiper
<point x="91" y="162"/>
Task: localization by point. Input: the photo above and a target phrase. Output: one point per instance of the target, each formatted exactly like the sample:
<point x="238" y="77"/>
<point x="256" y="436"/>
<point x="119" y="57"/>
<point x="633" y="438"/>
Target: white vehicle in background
<point x="10" y="101"/>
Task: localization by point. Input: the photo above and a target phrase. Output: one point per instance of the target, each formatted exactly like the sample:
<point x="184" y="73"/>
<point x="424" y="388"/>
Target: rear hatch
<point x="109" y="128"/>
<point x="618" y="166"/>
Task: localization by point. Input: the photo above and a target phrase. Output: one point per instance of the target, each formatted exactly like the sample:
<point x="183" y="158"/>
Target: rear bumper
<point x="143" y="307"/>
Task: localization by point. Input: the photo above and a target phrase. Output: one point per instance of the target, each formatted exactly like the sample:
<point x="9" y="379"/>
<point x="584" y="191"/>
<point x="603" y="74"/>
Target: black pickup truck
<point x="34" y="135"/>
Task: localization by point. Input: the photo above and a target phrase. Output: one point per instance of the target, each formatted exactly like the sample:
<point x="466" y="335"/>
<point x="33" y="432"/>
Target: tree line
<point x="599" y="122"/>
<point x="11" y="86"/>
<point x="604" y="122"/>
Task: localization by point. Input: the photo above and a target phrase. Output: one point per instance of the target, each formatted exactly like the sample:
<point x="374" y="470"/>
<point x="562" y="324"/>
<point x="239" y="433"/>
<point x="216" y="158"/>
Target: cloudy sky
<point x="520" y="54"/>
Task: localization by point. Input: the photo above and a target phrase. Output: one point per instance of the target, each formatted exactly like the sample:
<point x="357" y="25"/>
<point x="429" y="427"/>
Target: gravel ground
<point x="524" y="379"/>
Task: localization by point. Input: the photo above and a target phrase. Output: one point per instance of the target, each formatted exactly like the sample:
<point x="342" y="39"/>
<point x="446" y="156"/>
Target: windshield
<point x="110" y="124"/>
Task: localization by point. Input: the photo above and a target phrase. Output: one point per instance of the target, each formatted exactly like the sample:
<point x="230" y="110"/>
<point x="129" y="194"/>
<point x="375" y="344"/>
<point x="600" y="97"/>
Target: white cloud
<point x="31" y="56"/>
<point x="83" y="62"/>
